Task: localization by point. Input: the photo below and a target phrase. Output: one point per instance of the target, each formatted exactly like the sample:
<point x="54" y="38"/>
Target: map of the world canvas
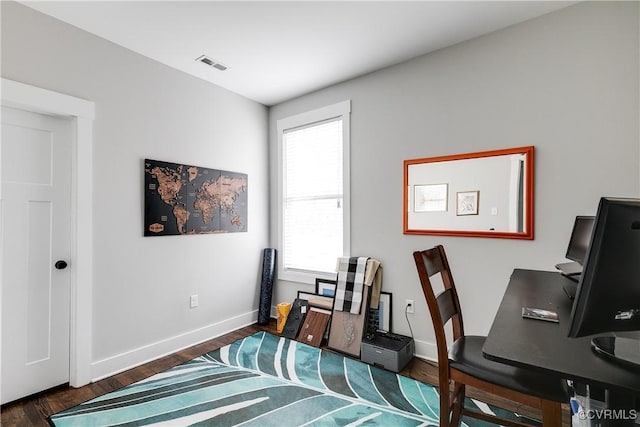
<point x="185" y="199"/>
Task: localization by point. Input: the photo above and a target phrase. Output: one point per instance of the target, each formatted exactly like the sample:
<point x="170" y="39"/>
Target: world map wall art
<point x="184" y="199"/>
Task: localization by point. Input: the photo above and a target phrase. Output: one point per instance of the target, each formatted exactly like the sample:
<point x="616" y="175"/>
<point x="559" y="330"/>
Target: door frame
<point x="81" y="112"/>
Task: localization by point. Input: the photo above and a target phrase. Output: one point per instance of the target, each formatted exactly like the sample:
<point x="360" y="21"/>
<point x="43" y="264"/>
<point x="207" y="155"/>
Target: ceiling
<point x="276" y="51"/>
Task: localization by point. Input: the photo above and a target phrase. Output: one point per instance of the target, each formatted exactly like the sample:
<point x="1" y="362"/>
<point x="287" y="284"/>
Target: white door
<point x="35" y="221"/>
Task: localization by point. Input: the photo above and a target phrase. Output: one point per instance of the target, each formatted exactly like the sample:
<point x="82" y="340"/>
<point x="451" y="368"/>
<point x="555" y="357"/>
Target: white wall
<point x="566" y="83"/>
<point x="147" y="110"/>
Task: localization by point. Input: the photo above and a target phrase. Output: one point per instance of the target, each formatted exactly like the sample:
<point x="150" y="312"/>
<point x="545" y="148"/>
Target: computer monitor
<point x="580" y="236"/>
<point x="608" y="295"/>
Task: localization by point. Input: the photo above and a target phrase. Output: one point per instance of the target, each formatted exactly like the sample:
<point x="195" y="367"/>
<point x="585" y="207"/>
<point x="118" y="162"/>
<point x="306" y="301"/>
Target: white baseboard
<point x="426" y="350"/>
<point x="121" y="362"/>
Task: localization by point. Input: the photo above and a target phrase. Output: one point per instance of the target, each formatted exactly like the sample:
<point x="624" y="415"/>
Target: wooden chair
<point x="464" y="363"/>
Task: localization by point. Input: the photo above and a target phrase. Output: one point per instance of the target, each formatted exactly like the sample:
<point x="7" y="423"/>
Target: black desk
<point x="544" y="346"/>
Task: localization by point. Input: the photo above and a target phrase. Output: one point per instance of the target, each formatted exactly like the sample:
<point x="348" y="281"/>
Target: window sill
<point x="308" y="277"/>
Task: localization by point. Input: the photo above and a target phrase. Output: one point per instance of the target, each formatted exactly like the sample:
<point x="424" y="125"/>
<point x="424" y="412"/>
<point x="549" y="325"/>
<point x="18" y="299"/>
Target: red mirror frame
<point x="528" y="196"/>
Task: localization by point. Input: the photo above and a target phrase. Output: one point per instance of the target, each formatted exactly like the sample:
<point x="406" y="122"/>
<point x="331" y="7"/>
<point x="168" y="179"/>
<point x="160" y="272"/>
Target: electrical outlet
<point x="193" y="301"/>
<point x="408" y="304"/>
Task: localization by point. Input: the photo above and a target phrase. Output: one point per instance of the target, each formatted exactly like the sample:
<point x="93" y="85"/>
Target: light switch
<point x="193" y="301"/>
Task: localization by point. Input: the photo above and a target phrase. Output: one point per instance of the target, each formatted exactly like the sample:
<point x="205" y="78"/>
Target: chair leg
<point x="457" y="404"/>
<point x="551" y="413"/>
<point x="445" y="410"/>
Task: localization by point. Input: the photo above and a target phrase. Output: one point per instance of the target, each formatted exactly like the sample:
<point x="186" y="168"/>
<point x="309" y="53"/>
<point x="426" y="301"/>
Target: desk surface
<point x="544" y="346"/>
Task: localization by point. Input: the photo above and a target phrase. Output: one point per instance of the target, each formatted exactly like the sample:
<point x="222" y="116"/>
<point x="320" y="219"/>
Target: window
<point x="313" y="192"/>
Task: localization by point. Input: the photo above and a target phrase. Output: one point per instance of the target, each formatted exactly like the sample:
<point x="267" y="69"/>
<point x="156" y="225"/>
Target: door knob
<point x="60" y="265"/>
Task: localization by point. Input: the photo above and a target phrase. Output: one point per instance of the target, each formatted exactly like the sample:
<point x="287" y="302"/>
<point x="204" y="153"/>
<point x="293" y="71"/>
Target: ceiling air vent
<point x="211" y="62"/>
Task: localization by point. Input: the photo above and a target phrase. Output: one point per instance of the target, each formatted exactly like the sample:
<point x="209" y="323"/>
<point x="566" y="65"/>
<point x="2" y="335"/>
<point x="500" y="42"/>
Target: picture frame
<point x="346" y="330"/>
<point x="467" y="202"/>
<point x="315" y="300"/>
<point x="380" y="318"/>
<point x="326" y="287"/>
<point x="430" y="197"/>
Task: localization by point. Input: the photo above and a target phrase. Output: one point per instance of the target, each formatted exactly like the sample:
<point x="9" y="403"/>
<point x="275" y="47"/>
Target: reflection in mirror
<point x="484" y="194"/>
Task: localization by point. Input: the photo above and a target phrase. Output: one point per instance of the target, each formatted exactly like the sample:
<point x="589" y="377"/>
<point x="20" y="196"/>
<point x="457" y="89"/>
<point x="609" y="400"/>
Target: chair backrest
<point x="444" y="306"/>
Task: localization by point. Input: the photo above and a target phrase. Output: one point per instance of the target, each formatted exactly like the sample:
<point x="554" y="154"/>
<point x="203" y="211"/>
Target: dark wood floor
<point x="35" y="410"/>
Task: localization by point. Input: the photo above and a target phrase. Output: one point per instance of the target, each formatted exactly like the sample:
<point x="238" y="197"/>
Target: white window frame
<point x="339" y="110"/>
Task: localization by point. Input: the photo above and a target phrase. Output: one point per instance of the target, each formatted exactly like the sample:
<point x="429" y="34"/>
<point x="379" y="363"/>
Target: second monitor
<point x="577" y="248"/>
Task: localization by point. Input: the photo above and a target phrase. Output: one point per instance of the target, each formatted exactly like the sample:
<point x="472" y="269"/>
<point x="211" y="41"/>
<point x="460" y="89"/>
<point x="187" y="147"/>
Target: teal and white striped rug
<point x="264" y="380"/>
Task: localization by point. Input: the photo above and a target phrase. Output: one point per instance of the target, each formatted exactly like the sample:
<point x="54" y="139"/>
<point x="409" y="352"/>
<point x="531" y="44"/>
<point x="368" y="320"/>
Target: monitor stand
<point x="625" y="351"/>
<point x="618" y="349"/>
<point x="569" y="268"/>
